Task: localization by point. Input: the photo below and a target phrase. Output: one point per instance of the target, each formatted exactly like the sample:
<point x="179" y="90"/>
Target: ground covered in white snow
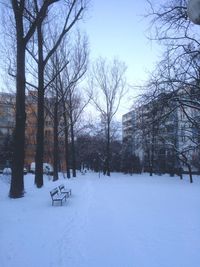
<point x="117" y="221"/>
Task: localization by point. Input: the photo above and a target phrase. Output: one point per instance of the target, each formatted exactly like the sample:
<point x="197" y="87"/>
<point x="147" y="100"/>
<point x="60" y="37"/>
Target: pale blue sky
<point x="118" y="28"/>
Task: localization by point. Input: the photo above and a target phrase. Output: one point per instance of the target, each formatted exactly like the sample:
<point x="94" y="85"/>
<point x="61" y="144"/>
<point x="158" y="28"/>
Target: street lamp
<point x="193" y="11"/>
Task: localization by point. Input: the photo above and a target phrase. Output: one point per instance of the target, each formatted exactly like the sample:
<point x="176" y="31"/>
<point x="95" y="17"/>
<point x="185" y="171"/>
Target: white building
<point x="163" y="137"/>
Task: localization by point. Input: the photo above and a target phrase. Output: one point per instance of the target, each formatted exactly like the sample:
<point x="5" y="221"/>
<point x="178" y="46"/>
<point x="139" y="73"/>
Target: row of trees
<point x="52" y="59"/>
<point x="173" y="88"/>
<point x="92" y="155"/>
<point x="39" y="32"/>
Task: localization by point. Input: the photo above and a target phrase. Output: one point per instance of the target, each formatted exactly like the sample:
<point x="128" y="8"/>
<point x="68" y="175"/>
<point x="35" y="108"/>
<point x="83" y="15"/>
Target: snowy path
<point x="121" y="221"/>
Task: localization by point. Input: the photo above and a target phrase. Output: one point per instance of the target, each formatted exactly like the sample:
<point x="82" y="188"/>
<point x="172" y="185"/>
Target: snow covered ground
<point x="121" y="221"/>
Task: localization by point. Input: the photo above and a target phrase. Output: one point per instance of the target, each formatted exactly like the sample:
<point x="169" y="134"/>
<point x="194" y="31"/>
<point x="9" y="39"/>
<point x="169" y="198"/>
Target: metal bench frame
<point x="64" y="190"/>
<point x="56" y="196"/>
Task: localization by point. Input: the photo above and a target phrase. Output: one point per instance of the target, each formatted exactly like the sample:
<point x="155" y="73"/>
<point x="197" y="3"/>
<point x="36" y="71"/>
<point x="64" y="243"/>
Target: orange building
<point x="7" y="119"/>
<point x="31" y="131"/>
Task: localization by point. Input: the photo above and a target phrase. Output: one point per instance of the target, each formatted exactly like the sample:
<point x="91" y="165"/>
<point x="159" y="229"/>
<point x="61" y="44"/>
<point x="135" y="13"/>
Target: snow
<point x="117" y="221"/>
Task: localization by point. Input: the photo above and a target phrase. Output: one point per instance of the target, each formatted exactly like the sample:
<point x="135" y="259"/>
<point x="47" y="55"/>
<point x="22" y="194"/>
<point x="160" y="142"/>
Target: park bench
<point x="64" y="190"/>
<point x="56" y="196"/>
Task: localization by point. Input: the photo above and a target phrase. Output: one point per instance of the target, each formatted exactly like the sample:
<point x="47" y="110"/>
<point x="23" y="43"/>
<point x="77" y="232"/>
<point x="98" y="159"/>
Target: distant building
<point x="7" y="114"/>
<point x="162" y="143"/>
<point x="128" y="129"/>
<point x="7" y="121"/>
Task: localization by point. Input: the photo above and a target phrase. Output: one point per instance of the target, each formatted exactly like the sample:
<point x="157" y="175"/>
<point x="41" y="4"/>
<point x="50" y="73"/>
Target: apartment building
<point x="7" y="113"/>
<point x="7" y="120"/>
<point x="162" y="137"/>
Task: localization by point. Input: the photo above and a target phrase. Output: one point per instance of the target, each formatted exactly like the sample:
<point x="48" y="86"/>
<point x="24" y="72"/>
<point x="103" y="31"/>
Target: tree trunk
<point x="66" y="131"/>
<point x="73" y="151"/>
<point x="189" y="168"/>
<point x="73" y="156"/>
<point x="151" y="161"/>
<point x="17" y="180"/>
<point x="152" y="152"/>
<point x="55" y="152"/>
<point x="40" y="142"/>
<point x="40" y="114"/>
<point x="108" y="151"/>
<point x="180" y="173"/>
<point x="190" y="173"/>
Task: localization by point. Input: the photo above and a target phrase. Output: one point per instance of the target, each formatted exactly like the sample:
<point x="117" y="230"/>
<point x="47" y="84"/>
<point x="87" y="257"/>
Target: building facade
<point x="7" y="124"/>
<point x="163" y="137"/>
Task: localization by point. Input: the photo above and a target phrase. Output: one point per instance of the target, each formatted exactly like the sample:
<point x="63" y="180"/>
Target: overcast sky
<point x="118" y="28"/>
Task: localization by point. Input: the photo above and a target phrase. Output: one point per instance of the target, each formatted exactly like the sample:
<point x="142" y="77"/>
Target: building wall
<point x="159" y="144"/>
<point x="7" y="120"/>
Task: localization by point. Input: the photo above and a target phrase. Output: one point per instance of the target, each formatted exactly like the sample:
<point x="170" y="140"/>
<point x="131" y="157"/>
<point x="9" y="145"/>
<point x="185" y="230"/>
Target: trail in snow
<point x="74" y="235"/>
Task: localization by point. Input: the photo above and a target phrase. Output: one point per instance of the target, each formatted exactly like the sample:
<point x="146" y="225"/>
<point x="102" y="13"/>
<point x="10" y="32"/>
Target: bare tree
<point x="176" y="121"/>
<point x="46" y="47"/>
<point x="74" y="103"/>
<point x="68" y="104"/>
<point x="177" y="75"/>
<point x="108" y="84"/>
<point x="25" y="25"/>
